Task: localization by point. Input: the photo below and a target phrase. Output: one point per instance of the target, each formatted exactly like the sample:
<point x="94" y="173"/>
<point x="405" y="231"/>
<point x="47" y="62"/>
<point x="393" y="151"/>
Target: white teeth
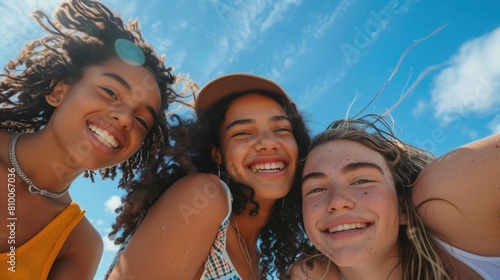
<point x="268" y="167"/>
<point x="104" y="137"/>
<point x="345" y="227"/>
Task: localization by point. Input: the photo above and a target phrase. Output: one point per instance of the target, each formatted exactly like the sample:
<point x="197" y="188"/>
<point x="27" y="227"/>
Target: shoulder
<point x="85" y="238"/>
<point x="194" y="194"/>
<point x="201" y="181"/>
<point x="178" y="232"/>
<point x="82" y="255"/>
<point x="201" y="185"/>
<point x="458" y="199"/>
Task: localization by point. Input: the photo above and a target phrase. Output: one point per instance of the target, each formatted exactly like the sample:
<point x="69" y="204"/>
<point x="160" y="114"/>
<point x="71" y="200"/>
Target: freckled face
<point x="350" y="205"/>
<point x="258" y="147"/>
<point x="103" y="119"/>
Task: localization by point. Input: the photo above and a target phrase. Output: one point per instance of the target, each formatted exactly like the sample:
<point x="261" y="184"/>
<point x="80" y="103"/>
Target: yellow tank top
<point x="34" y="259"/>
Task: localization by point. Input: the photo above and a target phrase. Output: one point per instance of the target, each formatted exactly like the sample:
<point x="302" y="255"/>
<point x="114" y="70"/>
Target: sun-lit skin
<point x="110" y="110"/>
<point x="350" y="206"/>
<point x="258" y="136"/>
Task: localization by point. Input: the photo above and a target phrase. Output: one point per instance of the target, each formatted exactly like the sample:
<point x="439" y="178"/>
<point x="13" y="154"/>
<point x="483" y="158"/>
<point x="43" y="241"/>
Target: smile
<point x="268" y="167"/>
<point x="104" y="137"/>
<point x="346" y="227"/>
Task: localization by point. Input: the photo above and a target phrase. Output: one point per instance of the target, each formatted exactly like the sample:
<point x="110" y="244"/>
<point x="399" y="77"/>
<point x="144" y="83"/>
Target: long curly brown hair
<point x="418" y="256"/>
<point x="82" y="33"/>
<point x="281" y="240"/>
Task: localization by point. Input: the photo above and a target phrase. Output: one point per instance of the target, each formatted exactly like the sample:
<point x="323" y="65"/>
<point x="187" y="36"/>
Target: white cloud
<point x="471" y="133"/>
<point x="156" y="26"/>
<point x="285" y="59"/>
<point x="18" y="26"/>
<point x="420" y="109"/>
<point x="182" y="24"/>
<point x="109" y="246"/>
<point x="112" y="203"/>
<point x="367" y="32"/>
<point x="241" y="25"/>
<point x="126" y="9"/>
<point x="494" y="125"/>
<point x="173" y="27"/>
<point x="471" y="84"/>
<point x="276" y="14"/>
<point x="316" y="92"/>
<point x="325" y="22"/>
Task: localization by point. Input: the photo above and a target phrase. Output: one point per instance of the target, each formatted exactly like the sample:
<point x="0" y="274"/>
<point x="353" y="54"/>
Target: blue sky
<point x="332" y="57"/>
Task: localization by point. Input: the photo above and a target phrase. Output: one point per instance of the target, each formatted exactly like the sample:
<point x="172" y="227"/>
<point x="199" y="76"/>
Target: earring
<point x="218" y="171"/>
<point x="282" y="205"/>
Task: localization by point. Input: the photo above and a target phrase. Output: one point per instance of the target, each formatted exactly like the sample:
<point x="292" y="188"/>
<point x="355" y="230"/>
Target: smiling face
<point x="258" y="147"/>
<point x="350" y="205"/>
<point x="102" y="119"/>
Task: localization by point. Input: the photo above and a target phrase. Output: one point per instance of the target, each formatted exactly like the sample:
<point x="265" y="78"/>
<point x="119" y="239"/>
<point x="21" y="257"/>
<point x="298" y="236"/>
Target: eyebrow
<point x="362" y="164"/>
<point x="118" y="79"/>
<point x="350" y="167"/>
<point x="313" y="175"/>
<point x="153" y="112"/>
<point x="248" y="121"/>
<point x="124" y="83"/>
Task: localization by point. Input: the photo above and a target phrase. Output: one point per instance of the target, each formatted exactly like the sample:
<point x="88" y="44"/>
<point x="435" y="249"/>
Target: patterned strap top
<point x="218" y="264"/>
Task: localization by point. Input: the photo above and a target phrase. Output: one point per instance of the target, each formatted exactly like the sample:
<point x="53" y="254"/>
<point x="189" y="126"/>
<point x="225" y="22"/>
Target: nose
<point x="266" y="141"/>
<point x="122" y="116"/>
<point x="339" y="200"/>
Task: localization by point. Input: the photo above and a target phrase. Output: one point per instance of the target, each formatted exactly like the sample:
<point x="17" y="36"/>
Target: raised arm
<point x="175" y="238"/>
<point x="459" y="197"/>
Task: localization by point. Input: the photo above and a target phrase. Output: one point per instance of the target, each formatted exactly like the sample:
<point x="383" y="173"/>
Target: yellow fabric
<point x="34" y="259"/>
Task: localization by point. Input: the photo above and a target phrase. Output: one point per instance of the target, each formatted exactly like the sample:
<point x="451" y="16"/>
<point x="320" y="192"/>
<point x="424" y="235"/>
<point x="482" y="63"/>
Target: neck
<point x="47" y="167"/>
<point x="391" y="269"/>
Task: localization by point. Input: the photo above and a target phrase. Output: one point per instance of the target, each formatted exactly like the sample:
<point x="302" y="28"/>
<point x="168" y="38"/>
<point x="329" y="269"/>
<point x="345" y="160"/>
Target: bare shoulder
<point x="82" y="253"/>
<point x="461" y="171"/>
<point x="316" y="267"/>
<point x="85" y="240"/>
<point x="87" y="234"/>
<point x="193" y="194"/>
<point x="199" y="181"/>
<point x="458" y="198"/>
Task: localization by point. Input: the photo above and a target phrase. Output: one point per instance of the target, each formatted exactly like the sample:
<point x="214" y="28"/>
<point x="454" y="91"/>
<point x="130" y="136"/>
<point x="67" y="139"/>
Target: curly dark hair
<point x="281" y="240"/>
<point x="419" y="259"/>
<point x="83" y="33"/>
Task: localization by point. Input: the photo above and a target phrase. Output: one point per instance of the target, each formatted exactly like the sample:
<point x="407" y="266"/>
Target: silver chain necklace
<point x="245" y="251"/>
<point x="13" y="161"/>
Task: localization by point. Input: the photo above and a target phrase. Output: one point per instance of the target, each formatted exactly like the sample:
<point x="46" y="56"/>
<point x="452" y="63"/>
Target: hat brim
<point x="229" y="84"/>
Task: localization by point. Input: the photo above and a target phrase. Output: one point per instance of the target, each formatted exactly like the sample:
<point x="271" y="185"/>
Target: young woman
<point x="90" y="95"/>
<point x="359" y="188"/>
<point x="242" y="222"/>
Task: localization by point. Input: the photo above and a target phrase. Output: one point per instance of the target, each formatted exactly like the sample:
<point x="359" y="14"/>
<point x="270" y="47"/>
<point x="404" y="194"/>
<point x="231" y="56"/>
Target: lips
<point x="268" y="167"/>
<point x="104" y="137"/>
